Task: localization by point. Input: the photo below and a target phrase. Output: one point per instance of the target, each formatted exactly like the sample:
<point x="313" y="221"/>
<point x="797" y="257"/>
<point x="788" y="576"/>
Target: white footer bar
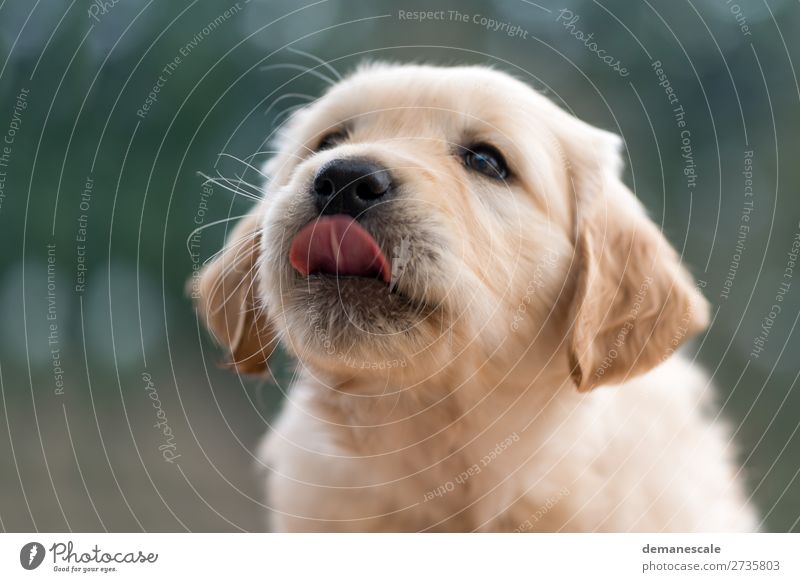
<point x="401" y="557"/>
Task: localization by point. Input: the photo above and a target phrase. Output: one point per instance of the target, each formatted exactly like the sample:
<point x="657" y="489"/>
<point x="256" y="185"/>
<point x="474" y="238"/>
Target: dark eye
<point x="487" y="160"/>
<point x="331" y="139"/>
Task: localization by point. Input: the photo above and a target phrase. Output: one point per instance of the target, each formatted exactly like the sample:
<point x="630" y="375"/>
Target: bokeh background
<point x="98" y="198"/>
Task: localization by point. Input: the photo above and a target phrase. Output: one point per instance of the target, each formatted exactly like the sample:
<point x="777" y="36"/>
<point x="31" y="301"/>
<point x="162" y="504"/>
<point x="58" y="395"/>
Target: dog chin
<point x="355" y="322"/>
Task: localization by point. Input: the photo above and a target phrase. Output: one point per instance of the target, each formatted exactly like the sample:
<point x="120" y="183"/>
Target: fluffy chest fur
<point x="550" y="460"/>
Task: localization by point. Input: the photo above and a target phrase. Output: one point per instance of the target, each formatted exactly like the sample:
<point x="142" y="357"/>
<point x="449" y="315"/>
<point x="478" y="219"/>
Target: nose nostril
<point x="366" y="191"/>
<point x="324" y="187"/>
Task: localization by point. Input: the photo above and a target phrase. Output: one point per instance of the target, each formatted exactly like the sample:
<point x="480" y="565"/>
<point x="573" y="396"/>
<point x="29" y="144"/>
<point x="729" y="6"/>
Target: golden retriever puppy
<point x="483" y="317"/>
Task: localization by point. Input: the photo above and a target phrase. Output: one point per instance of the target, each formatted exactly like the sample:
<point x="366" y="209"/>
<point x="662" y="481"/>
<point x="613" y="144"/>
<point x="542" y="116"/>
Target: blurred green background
<point x="97" y="202"/>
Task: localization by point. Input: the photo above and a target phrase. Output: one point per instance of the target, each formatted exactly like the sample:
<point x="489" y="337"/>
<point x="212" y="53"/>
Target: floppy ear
<point x="633" y="303"/>
<point x="226" y="298"/>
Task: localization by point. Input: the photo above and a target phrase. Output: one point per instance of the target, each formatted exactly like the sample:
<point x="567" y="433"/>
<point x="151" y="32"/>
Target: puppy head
<point x="415" y="214"/>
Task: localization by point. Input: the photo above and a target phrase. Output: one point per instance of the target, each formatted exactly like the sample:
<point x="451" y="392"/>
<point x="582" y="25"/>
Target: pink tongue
<point x="338" y="245"/>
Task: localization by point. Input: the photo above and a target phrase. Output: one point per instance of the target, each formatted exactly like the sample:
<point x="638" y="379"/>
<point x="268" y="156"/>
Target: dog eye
<point x="487" y="160"/>
<point x="331" y="139"/>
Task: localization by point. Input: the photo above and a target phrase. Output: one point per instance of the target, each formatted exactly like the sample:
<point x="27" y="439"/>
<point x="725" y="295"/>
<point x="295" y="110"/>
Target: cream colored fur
<point x="524" y="376"/>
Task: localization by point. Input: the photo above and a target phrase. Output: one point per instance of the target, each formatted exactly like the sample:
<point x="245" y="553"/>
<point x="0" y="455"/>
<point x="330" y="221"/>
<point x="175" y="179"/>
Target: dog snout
<point x="350" y="186"/>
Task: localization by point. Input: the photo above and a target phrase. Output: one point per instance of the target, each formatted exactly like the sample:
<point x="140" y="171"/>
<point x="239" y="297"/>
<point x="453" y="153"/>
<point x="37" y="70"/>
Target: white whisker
<point x="208" y="225"/>
<point x="222" y="182"/>
<point x="308" y="98"/>
<point x="302" y="69"/>
<point x="221" y="154"/>
<point x="319" y="60"/>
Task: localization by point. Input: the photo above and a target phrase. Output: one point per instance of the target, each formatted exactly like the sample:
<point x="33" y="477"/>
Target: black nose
<point x="350" y="186"/>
